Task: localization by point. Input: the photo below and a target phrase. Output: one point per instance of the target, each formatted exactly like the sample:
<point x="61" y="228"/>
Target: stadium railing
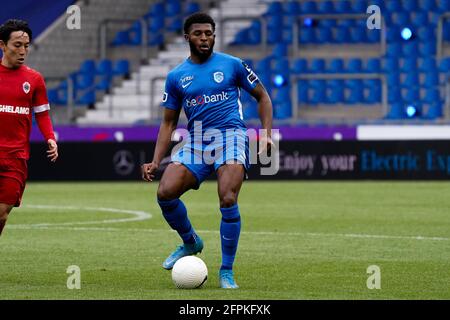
<point x="103" y="36"/>
<point x="299" y="22"/>
<point x="326" y="76"/>
<point x="69" y="102"/>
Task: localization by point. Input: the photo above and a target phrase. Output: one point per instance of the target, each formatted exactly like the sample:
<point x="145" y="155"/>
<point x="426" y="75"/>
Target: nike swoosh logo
<point x="186" y="84"/>
<point x="225" y="238"/>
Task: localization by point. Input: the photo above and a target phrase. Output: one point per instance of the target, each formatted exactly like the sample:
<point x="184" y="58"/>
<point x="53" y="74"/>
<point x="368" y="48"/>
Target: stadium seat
<point x="342" y="35"/>
<point x="391" y="65"/>
<point x="337" y="93"/>
<point x="343" y="6"/>
<point x="434" y="110"/>
<point x="428" y="64"/>
<point x="401" y="19"/>
<point x="359" y="7"/>
<point x="411" y="79"/>
<point x="396" y="111"/>
<point x="173" y="8"/>
<point x="336" y="66"/>
<point x="307" y="35"/>
<point x="122" y="68"/>
<point x="88" y="66"/>
<point x="121" y="39"/>
<point x="326" y="7"/>
<point x="317" y="65"/>
<point x="444" y="65"/>
<point x="411" y="49"/>
<point x="324" y="35"/>
<point x="354" y="65"/>
<point x="104" y="67"/>
<point x="431" y="79"/>
<point x="358" y="35"/>
<point x="428" y="5"/>
<point x="426" y="33"/>
<point x="443" y="5"/>
<point x="394" y="94"/>
<point x="191" y="7"/>
<point x="410" y="5"/>
<point x="300" y="66"/>
<point x="308" y="7"/>
<point x="394" y="6"/>
<point x="275" y="8"/>
<point x="394" y="50"/>
<point x="412" y="95"/>
<point x="409" y="64"/>
<point x="393" y="79"/>
<point x="373" y="65"/>
<point x="291" y="8"/>
<point x="432" y="95"/>
<point x="87" y="98"/>
<point x="427" y="48"/>
<point x="420" y="19"/>
<point x="373" y="36"/>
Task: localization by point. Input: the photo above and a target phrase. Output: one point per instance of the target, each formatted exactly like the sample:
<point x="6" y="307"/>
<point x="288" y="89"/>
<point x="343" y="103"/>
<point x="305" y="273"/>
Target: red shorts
<point x="13" y="176"/>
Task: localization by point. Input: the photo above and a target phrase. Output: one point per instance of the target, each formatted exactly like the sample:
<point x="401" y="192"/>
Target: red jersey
<point x="22" y="91"/>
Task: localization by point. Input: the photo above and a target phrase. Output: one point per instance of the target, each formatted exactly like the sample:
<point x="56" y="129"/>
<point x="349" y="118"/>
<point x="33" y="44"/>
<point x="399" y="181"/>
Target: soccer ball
<point x="189" y="272"/>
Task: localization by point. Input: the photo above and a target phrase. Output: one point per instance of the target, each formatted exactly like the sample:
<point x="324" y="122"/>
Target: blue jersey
<point x="209" y="92"/>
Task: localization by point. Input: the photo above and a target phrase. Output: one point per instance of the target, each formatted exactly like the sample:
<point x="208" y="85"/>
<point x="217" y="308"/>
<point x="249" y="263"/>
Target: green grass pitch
<point x="299" y="240"/>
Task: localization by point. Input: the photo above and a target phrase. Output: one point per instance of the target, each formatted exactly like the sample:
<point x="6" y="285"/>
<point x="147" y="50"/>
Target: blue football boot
<point x="226" y="278"/>
<point x="186" y="249"/>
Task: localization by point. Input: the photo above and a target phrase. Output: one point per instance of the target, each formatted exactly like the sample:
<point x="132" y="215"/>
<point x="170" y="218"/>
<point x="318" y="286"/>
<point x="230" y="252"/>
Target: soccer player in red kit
<point x="22" y="92"/>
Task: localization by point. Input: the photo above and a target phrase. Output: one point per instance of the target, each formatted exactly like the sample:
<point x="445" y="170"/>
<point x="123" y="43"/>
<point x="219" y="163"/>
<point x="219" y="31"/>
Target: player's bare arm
<point x="265" y="114"/>
<point x="168" y="125"/>
<point x="52" y="152"/>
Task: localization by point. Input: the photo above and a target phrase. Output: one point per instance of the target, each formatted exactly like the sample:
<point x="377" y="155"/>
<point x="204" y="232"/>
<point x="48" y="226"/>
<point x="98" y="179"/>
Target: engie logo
<point x="206" y="99"/>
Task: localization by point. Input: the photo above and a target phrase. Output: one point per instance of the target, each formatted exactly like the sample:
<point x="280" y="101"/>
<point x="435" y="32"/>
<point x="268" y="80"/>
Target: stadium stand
<point x="317" y="58"/>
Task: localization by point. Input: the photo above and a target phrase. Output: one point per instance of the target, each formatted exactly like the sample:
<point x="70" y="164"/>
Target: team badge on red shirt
<point x="26" y="87"/>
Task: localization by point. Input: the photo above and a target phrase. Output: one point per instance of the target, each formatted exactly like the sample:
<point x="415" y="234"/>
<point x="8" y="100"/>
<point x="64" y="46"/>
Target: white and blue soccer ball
<point x="189" y="272"/>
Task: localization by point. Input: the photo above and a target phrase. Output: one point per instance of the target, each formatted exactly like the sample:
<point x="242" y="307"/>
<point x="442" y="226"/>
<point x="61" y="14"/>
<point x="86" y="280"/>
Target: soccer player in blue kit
<point x="207" y="86"/>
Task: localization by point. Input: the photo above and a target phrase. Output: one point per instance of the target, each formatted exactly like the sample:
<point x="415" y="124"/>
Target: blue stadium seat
<point x="393" y="79"/>
<point x="82" y="81"/>
<point x="344" y="6"/>
<point x="104" y="67"/>
<point x="358" y="35"/>
<point x="250" y="110"/>
<point x="373" y="36"/>
<point x="254" y="33"/>
<point x="428" y="5"/>
<point x="308" y="7"/>
<point x="191" y="7"/>
<point x="412" y="79"/>
<point x="307" y="35"/>
<point x="359" y="6"/>
<point x="444" y="64"/>
<point x="291" y="8"/>
<point x="401" y="19"/>
<point x="302" y="91"/>
<point x="394" y="50"/>
<point x="373" y="65"/>
<point x="412" y="95"/>
<point x="173" y="8"/>
<point x="283" y="110"/>
<point x="394" y="95"/>
<point x="275" y="8"/>
<point x="434" y="110"/>
<point x="356" y="89"/>
<point x="336" y="66"/>
<point x="354" y="65"/>
<point x="274" y="35"/>
<point x="346" y="23"/>
<point x="337" y="93"/>
<point x="87" y="98"/>
<point x="428" y="64"/>
<point x="318" y="91"/>
<point x="427" y="48"/>
<point x="426" y="33"/>
<point x="409" y="64"/>
<point x="300" y="66"/>
<point x="443" y="5"/>
<point x="121" y="68"/>
<point x="374" y="91"/>
<point x="281" y="66"/>
<point x="174" y="24"/>
<point x="342" y="35"/>
<point x="411" y="49"/>
<point x="88" y="66"/>
<point x="135" y="34"/>
<point x="432" y="95"/>
<point x="431" y="79"/>
<point x="287" y="35"/>
<point x="420" y="19"/>
<point x="317" y="65"/>
<point x="394" y="6"/>
<point x="324" y="35"/>
<point x="121" y="39"/>
<point x="390" y="65"/>
<point x="396" y="111"/>
<point x="392" y="35"/>
<point x="410" y="5"/>
<point x="280" y="50"/>
<point x="157" y="9"/>
<point x="326" y="7"/>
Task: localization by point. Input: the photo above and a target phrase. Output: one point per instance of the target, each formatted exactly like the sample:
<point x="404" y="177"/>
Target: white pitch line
<point x="263" y="233"/>
<point x="138" y="215"/>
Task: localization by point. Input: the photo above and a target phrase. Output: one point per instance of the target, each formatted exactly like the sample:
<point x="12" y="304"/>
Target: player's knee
<point x="3" y="215"/>
<point x="228" y="200"/>
<point x="166" y="194"/>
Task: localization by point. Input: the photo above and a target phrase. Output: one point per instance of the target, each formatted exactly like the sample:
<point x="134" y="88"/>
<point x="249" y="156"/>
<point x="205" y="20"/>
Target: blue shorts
<point x="204" y="157"/>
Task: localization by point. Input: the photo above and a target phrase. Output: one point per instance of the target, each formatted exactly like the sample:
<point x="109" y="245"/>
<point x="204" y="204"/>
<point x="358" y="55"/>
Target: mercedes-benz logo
<point x="123" y="162"/>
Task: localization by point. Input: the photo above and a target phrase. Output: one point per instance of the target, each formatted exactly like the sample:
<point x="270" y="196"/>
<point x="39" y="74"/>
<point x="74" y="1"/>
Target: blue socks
<point x="175" y="214"/>
<point x="230" y="229"/>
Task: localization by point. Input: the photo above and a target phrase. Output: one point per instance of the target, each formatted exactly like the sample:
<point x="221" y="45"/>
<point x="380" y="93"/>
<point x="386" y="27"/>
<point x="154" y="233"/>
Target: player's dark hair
<point x="198" y="17"/>
<point x="13" y="25"/>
